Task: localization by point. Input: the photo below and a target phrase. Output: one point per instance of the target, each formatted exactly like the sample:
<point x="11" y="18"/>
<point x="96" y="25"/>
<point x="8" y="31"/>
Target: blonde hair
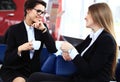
<point x="102" y="16"/>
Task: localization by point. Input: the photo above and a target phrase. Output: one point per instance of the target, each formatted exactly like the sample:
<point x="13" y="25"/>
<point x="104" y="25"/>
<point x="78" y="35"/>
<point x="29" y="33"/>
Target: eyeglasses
<point x="40" y="11"/>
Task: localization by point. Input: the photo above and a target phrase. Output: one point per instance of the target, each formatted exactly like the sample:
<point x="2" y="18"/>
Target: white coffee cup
<point x="36" y="44"/>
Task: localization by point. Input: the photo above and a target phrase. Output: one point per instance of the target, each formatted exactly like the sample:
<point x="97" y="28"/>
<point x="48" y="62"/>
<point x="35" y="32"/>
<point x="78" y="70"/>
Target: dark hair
<point x="30" y="4"/>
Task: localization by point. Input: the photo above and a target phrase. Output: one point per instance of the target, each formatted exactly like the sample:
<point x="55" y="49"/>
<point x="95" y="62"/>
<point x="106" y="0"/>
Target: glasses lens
<point x="40" y="11"/>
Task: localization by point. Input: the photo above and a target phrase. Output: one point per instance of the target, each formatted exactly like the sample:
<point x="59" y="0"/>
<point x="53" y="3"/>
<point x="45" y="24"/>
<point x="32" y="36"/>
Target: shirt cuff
<point x="19" y="54"/>
<point x="73" y="52"/>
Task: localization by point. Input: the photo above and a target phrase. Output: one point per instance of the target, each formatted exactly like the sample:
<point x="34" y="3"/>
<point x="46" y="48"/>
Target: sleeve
<point x="73" y="53"/>
<point x="11" y="55"/>
<point x="49" y="42"/>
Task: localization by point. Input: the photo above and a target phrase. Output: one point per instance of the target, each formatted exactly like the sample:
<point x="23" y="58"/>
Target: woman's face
<point x="89" y="21"/>
<point x="37" y="13"/>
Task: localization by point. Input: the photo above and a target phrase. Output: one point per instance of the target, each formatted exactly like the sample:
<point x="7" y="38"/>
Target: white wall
<point x="73" y="23"/>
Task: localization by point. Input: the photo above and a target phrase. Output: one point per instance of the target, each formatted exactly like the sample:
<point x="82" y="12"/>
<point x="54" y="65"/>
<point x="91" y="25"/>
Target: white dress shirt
<point x="31" y="36"/>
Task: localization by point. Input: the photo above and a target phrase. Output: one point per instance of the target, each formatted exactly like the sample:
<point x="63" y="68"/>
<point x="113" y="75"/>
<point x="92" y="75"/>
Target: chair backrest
<point x="49" y="65"/>
<point x="2" y="52"/>
<point x="55" y="64"/>
<point x="43" y="55"/>
<point x="64" y="68"/>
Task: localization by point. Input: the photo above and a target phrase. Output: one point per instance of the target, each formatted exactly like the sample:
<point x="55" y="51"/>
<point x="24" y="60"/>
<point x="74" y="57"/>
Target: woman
<point x="22" y="58"/>
<point x="95" y="57"/>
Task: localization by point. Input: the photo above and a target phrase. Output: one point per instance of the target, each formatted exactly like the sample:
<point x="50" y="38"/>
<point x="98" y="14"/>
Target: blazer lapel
<point x="23" y="38"/>
<point x="22" y="33"/>
<point x="92" y="47"/>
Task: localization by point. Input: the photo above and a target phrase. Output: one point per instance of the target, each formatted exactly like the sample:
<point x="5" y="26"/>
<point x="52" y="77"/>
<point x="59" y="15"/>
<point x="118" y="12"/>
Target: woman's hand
<point x="26" y="46"/>
<point x="66" y="46"/>
<point x="66" y="56"/>
<point x="38" y="25"/>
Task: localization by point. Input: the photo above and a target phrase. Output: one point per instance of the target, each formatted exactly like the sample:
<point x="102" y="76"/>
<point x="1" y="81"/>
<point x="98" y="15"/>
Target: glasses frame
<point x="40" y="11"/>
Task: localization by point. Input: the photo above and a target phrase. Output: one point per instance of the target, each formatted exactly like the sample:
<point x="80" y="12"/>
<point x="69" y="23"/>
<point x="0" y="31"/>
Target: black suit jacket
<point x="96" y="63"/>
<point x="17" y="35"/>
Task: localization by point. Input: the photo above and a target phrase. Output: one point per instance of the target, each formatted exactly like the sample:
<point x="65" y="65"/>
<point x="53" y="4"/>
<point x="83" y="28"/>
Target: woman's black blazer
<point x="95" y="65"/>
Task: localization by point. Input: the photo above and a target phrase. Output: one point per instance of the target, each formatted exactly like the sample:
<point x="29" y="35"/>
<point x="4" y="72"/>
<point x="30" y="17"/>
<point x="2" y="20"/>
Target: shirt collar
<point x="94" y="35"/>
<point x="27" y="26"/>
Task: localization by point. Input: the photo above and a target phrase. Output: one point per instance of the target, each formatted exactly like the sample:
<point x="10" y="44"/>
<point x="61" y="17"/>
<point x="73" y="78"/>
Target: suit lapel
<point x="92" y="47"/>
<point x="23" y="33"/>
<point x="23" y="38"/>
